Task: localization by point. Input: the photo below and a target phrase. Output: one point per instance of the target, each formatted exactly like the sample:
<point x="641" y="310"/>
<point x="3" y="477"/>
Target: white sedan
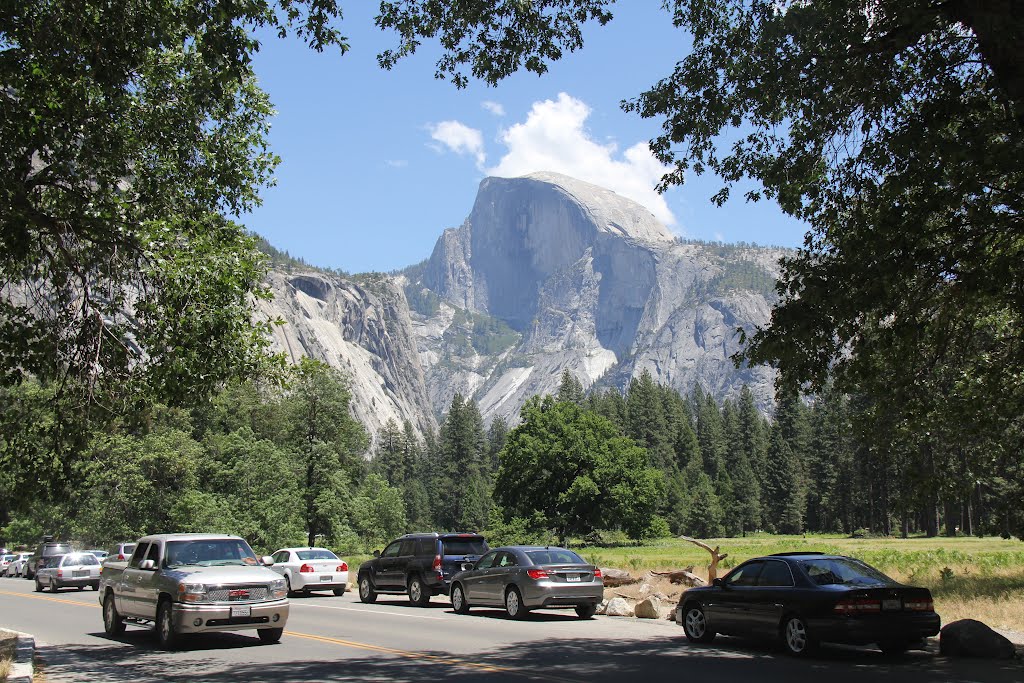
<point x="17" y="565"/>
<point x="311" y="569"/>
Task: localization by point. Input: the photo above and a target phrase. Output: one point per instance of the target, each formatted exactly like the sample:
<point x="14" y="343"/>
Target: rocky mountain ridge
<point x="547" y="273"/>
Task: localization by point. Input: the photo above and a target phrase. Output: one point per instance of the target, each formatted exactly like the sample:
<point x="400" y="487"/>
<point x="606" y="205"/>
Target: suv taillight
<point x="306" y="569"/>
<point x="120" y="557"/>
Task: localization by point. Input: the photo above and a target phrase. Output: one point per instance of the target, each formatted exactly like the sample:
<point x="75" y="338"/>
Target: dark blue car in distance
<point x="804" y="599"/>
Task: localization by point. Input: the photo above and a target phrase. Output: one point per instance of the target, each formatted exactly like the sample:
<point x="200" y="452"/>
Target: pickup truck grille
<point x="237" y="594"/>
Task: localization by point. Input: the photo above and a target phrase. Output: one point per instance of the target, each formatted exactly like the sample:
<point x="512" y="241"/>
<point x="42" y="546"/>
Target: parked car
<point x="420" y="565"/>
<point x="120" y="552"/>
<point x="77" y="570"/>
<point x="521" y="578"/>
<point x="5" y="563"/>
<point x="804" y="599"/>
<point x="18" y="565"/>
<point x="311" y="569"/>
<point x="100" y="554"/>
<point x="48" y="548"/>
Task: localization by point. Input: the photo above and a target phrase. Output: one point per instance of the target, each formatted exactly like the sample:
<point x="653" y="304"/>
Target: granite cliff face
<point x="547" y="274"/>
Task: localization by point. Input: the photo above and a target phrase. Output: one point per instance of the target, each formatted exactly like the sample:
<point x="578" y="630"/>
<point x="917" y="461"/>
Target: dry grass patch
<point x="8" y="645"/>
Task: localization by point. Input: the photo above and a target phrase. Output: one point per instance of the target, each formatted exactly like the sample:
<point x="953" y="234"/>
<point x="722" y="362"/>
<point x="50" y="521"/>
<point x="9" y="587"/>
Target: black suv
<point x="48" y="548"/>
<point x="421" y="565"/>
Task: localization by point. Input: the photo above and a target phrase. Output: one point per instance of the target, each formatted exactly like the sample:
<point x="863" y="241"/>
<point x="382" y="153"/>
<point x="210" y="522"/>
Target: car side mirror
<point x="267" y="561"/>
<point x="376" y="553"/>
<point x="718" y="582"/>
<point x="147" y="565"/>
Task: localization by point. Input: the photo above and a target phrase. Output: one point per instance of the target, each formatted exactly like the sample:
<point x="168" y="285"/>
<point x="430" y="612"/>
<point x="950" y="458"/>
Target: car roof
<point x="805" y="554"/>
<point x="188" y="537"/>
<point x="443" y="534"/>
<point x="301" y="547"/>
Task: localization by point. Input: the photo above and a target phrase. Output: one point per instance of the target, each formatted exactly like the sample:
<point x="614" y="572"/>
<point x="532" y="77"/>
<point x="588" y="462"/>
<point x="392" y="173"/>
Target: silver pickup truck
<point x="194" y="583"/>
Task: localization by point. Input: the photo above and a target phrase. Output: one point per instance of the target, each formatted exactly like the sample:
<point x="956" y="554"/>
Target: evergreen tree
<point x="571" y="389"/>
<point x="463" y="491"/>
<point x="785" y="493"/>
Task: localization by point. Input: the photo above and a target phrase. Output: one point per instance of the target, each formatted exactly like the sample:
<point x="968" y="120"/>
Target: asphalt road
<point x="340" y="639"/>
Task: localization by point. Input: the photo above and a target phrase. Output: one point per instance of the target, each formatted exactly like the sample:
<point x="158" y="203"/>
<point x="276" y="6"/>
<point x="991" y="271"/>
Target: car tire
<point x="459" y="602"/>
<point x="514" y="606"/>
<point x="796" y="638"/>
<point x="695" y="625"/>
<point x="166" y="634"/>
<point x="339" y="591"/>
<point x="113" y="624"/>
<point x="288" y="586"/>
<point x="366" y="592"/>
<point x="586" y="611"/>
<point x="39" y="586"/>
<point x="54" y="586"/>
<point x="268" y="636"/>
<point x="419" y="596"/>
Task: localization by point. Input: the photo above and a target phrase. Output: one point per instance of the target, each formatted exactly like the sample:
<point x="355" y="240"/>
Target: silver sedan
<point x="521" y="578"/>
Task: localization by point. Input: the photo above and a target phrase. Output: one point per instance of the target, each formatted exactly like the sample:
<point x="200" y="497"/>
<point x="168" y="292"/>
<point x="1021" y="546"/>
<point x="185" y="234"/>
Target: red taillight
<point x="343" y="567"/>
<point x="920" y="606"/>
<point x="120" y="557"/>
<point x="437" y="563"/>
<point x="60" y="573"/>
<point x="536" y="574"/>
<point x="597" y="573"/>
<point x="851" y="607"/>
<point x="306" y="569"/>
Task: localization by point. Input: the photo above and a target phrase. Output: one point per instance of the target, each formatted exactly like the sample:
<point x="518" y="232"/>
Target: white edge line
<point x="368" y="611"/>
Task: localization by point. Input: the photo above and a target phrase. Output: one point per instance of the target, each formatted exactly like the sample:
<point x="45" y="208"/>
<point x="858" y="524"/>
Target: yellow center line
<point x="50" y="598"/>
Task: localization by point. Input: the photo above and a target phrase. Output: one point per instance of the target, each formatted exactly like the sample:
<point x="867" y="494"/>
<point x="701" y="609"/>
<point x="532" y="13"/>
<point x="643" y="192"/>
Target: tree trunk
<point x="716" y="557"/>
<point x="905" y="526"/>
<point x="951" y="516"/>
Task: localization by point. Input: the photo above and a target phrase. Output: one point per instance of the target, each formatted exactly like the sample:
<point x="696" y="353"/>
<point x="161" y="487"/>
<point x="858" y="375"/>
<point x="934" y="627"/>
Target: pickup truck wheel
<point x="270" y="635"/>
<point x="366" y="592"/>
<point x="418" y="595"/>
<point x="113" y="624"/>
<point x="166" y="634"/>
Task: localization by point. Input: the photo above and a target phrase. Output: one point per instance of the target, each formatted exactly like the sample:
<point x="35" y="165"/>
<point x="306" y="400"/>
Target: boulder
<point x="972" y="638"/>
<point x="618" y="607"/>
<point x="602" y="607"/>
<point x="616" y="577"/>
<point x="649" y="608"/>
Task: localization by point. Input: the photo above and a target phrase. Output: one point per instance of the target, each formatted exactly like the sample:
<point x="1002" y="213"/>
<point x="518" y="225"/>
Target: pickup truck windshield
<point x="209" y="553"/>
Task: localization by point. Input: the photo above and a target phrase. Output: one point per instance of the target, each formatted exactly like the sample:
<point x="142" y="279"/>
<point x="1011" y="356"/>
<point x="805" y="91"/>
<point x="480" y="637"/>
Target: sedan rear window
<point x="554" y="557"/>
<point x="843" y="572"/>
<point x="464" y="546"/>
<point x="316" y="555"/>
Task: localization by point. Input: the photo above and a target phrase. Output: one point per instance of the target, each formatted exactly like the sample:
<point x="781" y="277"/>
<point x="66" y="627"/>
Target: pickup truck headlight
<point x="278" y="589"/>
<point x="192" y="592"/>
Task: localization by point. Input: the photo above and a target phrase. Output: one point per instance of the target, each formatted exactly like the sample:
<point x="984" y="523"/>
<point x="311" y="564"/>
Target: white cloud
<point x="493" y="107"/>
<point x="459" y="138"/>
<point x="553" y="138"/>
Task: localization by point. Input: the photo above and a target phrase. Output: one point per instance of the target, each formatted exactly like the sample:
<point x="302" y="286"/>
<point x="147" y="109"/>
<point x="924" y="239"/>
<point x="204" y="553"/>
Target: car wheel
<point x="418" y="594"/>
<point x="695" y="625"/>
<point x="514" y="604"/>
<point x="586" y="611"/>
<point x="893" y="648"/>
<point x="795" y="636"/>
<point x="270" y="635"/>
<point x="366" y="592"/>
<point x="39" y="586"/>
<point x="166" y="634"/>
<point x="459" y="603"/>
<point x="53" y="586"/>
<point x="339" y="591"/>
<point x="81" y="588"/>
<point x="113" y="624"/>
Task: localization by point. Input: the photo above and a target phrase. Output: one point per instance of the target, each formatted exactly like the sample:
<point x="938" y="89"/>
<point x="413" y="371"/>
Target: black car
<point x="420" y="565"/>
<point x="807" y="598"/>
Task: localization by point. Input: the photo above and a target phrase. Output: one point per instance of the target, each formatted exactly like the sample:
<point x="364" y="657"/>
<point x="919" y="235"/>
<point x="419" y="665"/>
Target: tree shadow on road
<point x="572" y="660"/>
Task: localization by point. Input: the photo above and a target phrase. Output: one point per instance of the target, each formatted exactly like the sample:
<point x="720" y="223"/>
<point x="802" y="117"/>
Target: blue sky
<point x="376" y="164"/>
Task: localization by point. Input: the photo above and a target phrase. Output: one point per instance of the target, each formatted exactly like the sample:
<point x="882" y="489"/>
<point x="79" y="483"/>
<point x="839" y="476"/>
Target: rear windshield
<point x="554" y="556"/>
<point x="464" y="546"/>
<point x="80" y="559"/>
<point x="10" y="558"/>
<point x="56" y="550"/>
<point x="316" y="555"/>
<point x="843" y="572"/>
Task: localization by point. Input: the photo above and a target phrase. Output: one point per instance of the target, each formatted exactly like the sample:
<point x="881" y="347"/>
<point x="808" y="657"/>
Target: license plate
<point x="82" y="572"/>
<point x="241" y="611"/>
<point x="573" y="578"/>
<point x="326" y="578"/>
<point x="893" y="605"/>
